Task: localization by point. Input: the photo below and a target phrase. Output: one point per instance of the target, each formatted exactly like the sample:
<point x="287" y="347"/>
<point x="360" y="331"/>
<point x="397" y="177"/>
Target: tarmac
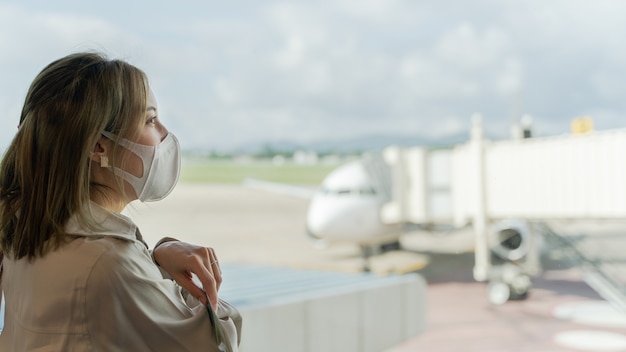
<point x="250" y="226"/>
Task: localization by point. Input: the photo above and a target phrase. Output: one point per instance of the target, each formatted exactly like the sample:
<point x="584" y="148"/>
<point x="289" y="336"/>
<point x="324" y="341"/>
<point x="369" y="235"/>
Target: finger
<point x="210" y="286"/>
<point x="204" y="272"/>
<point x="215" y="268"/>
<point x="210" y="261"/>
<point x="186" y="282"/>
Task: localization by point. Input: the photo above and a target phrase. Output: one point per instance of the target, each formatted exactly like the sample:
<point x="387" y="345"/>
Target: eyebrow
<point x="151" y="108"/>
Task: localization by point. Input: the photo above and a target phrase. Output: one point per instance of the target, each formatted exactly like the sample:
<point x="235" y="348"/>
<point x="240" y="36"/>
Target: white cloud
<point x="467" y="49"/>
<point x="608" y="85"/>
<point x="306" y="70"/>
<point x="509" y="79"/>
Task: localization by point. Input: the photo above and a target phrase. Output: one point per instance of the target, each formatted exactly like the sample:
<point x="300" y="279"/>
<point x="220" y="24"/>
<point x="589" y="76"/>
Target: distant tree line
<point x="267" y="152"/>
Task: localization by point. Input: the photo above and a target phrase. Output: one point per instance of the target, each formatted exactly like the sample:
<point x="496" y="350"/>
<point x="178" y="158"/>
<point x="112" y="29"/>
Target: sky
<point x="230" y="73"/>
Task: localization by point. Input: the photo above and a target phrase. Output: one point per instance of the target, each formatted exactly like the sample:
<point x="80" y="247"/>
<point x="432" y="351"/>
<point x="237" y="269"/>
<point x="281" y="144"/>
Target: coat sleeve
<point x="131" y="307"/>
<point x="164" y="273"/>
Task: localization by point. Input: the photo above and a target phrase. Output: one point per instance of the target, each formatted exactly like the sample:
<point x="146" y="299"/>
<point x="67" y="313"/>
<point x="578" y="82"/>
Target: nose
<point x="163" y="131"/>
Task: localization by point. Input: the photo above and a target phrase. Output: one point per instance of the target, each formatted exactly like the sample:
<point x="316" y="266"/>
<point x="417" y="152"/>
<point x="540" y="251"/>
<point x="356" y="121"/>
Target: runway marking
<point x="594" y="313"/>
<point x="586" y="340"/>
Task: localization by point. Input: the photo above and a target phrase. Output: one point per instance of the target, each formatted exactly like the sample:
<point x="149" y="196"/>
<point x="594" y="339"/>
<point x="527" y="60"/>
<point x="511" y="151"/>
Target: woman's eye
<point x="151" y="120"/>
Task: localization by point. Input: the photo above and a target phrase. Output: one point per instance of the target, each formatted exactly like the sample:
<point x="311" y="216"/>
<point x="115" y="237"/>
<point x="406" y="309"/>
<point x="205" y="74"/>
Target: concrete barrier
<point x="309" y="311"/>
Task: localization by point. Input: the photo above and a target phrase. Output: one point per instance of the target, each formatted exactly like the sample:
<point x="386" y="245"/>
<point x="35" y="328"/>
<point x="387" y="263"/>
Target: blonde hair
<point x="45" y="172"/>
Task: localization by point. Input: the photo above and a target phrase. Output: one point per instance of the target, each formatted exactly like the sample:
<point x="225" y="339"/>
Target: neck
<point x="105" y="190"/>
<point x="108" y="199"/>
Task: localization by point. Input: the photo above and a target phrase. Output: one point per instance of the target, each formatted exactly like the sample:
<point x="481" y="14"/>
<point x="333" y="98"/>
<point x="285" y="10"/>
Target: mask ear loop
<point x="144" y="152"/>
<point x="104" y="161"/>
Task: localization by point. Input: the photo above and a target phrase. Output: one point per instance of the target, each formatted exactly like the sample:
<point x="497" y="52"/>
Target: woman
<point x="76" y="274"/>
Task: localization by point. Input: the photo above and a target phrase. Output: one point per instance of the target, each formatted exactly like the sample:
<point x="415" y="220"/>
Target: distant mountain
<point x="350" y="145"/>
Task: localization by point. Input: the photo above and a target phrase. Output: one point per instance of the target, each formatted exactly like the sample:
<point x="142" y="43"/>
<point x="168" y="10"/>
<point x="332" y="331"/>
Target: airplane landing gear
<point x="368" y="251"/>
<point x="392" y="246"/>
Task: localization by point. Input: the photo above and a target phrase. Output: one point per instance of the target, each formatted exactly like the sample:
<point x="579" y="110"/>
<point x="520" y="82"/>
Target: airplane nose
<point x="321" y="219"/>
<point x="312" y="234"/>
<point x="341" y="218"/>
<point x="318" y="241"/>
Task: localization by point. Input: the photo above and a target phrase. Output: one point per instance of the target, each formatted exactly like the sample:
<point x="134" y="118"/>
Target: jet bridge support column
<point x="480" y="219"/>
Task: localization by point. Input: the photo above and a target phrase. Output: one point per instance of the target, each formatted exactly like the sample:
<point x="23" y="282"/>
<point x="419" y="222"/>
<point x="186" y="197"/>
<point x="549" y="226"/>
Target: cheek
<point x="151" y="137"/>
<point x="132" y="163"/>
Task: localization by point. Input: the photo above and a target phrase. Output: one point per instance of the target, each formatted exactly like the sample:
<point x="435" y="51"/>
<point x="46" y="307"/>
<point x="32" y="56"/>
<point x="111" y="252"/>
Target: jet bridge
<point x="507" y="191"/>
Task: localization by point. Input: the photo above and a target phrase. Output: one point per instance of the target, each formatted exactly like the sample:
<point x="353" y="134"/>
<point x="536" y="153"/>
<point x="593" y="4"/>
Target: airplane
<point x="346" y="206"/>
<point x="504" y="191"/>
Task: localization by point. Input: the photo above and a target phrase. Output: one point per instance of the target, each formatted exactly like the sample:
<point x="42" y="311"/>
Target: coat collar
<point x="109" y="224"/>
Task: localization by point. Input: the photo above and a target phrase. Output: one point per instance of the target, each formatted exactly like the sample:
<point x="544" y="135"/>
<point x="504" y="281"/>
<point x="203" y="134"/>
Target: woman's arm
<point x="130" y="305"/>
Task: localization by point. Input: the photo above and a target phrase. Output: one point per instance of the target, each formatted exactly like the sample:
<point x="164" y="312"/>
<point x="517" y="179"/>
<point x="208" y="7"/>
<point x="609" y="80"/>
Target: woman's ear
<point x="99" y="154"/>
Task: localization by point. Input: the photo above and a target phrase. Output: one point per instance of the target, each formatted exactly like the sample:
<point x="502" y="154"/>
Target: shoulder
<point x="122" y="260"/>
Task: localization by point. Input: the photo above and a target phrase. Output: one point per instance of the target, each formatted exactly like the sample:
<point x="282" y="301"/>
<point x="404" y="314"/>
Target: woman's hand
<point x="181" y="260"/>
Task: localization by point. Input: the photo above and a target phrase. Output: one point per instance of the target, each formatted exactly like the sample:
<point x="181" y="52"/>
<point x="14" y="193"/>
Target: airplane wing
<point x="302" y="192"/>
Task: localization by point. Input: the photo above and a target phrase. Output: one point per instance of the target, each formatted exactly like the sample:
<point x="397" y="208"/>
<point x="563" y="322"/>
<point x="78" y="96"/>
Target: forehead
<point x="152" y="103"/>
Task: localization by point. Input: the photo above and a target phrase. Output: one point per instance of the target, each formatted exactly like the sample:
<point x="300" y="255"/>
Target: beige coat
<point x="103" y="292"/>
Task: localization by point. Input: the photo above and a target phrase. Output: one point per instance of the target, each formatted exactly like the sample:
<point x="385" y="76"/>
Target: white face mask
<point x="161" y="167"/>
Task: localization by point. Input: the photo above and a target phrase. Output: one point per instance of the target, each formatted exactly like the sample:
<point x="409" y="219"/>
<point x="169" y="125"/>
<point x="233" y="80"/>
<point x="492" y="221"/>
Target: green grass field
<point x="195" y="171"/>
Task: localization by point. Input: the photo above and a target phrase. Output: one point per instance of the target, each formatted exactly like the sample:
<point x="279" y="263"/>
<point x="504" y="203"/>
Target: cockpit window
<point x="364" y="191"/>
<point x="367" y="191"/>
